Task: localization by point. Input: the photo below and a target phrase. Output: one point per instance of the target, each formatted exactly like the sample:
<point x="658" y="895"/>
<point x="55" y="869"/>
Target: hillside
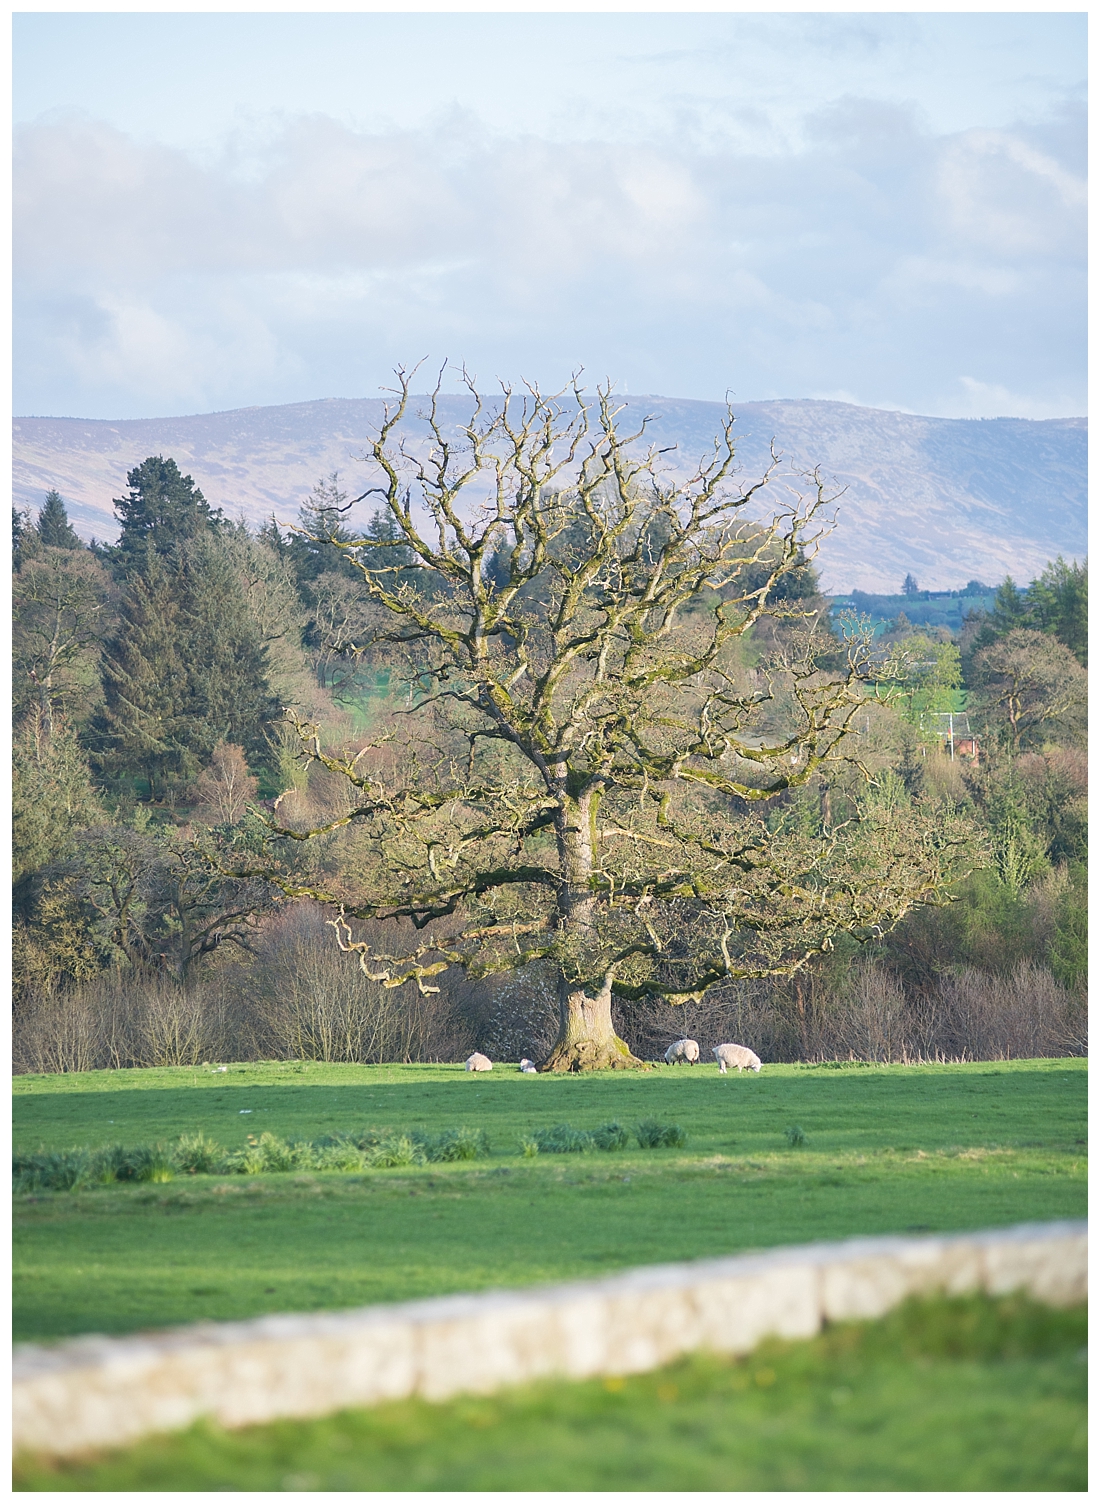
<point x="945" y="499"/>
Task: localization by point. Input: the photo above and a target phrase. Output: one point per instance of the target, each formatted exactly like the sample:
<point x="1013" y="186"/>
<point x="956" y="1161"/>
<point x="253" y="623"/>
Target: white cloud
<point x="985" y="399"/>
<point x="879" y="260"/>
<point x="1001" y="193"/>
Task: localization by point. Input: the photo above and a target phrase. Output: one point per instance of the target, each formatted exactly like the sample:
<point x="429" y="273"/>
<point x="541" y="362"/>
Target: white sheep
<point x="528" y="1067"/>
<point x="479" y="1062"/>
<point x="735" y="1054"/>
<point x="682" y="1049"/>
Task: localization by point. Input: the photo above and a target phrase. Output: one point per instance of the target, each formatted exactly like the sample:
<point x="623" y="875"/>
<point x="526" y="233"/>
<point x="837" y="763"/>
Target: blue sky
<point x="215" y="211"/>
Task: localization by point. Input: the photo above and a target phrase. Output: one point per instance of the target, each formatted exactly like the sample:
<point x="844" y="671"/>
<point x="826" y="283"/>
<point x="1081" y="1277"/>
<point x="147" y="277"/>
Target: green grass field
<point x="942" y="1395"/>
<point x="888" y="1150"/>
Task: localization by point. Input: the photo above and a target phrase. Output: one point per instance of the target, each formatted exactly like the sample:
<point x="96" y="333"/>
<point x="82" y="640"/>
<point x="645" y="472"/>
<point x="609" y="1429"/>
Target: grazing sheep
<point x="527" y="1067"/>
<point x="735" y="1054"/>
<point x="682" y="1049"/>
<point x="479" y="1062"/>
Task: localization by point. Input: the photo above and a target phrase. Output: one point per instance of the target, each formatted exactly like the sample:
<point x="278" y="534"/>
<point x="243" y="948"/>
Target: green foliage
<point x="53" y="527"/>
<point x="53" y="798"/>
<point x="611" y="1136"/>
<point x="311" y="546"/>
<point x="651" y="1133"/>
<point x="931" y="675"/>
<point x="60" y="611"/>
<point x="196" y="1154"/>
<point x="145" y="683"/>
<point x="261" y="1154"/>
<point x="454" y="1145"/>
<point x="162" y="510"/>
<point x="1056" y="603"/>
<point x="186" y="668"/>
<point x="562" y="1139"/>
<point x="74" y="1169"/>
<point x="795" y="1136"/>
<point x="1068" y="952"/>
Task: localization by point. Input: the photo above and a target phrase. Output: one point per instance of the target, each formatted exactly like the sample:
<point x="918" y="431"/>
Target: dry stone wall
<point x="93" y="1392"/>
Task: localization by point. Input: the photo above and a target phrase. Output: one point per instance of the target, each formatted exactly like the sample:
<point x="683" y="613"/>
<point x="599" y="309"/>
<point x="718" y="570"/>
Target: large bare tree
<point x="591" y="768"/>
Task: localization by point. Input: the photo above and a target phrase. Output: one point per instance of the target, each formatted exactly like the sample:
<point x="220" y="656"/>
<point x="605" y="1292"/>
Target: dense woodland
<point x="151" y="679"/>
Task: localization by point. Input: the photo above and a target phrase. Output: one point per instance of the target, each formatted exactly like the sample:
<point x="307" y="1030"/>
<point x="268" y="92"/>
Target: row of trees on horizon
<point x="151" y="678"/>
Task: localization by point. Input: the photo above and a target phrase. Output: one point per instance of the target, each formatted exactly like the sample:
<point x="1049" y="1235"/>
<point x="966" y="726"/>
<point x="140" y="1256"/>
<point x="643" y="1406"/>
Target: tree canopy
<point x="53" y="527"/>
<point x="163" y="509"/>
<point x="590" y="767"/>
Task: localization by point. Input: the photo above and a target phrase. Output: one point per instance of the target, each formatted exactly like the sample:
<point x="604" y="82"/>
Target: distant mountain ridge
<point x="944" y="499"/>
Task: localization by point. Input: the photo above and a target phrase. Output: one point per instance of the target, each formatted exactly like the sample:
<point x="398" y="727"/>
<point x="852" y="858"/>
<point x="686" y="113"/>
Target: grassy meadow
<point x="887" y="1149"/>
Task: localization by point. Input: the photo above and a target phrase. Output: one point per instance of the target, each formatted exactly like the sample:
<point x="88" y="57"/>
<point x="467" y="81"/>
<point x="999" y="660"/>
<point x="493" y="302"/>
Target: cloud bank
<point x="880" y="262"/>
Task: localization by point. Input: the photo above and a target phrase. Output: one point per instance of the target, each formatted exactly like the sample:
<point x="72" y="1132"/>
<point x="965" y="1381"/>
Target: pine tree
<point x="186" y="669"/>
<point x="1059" y="601"/>
<point x="54" y="528"/>
<point x="1010" y="608"/>
<point x="146" y="684"/>
<point x="163" y="510"/>
<point x="320" y="525"/>
<point x="228" y="696"/>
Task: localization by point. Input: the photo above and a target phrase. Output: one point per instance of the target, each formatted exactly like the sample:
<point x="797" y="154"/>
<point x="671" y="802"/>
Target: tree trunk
<point x="586" y="1036"/>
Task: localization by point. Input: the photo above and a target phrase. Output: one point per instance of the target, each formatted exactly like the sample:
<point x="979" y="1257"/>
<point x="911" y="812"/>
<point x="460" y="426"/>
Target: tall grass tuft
<point x="609" y="1136"/>
<point x="195" y="1154"/>
<point x="455" y="1144"/>
<point x="563" y="1139"/>
<point x="652" y="1134"/>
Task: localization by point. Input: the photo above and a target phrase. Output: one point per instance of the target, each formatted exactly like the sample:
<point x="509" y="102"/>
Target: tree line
<point x="608" y="736"/>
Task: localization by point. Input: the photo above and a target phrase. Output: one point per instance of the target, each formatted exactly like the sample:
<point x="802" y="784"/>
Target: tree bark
<point x="586" y="1035"/>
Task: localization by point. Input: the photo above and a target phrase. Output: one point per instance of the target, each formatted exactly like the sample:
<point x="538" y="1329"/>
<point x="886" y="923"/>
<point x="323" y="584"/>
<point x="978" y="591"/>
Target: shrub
<point x="652" y="1134"/>
<point x="795" y="1136"/>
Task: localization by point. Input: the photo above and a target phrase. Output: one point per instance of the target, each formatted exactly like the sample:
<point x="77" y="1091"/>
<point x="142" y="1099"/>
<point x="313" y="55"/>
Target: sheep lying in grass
<point x="479" y="1062"/>
<point x="528" y="1067"/>
<point x="682" y="1049"/>
<point x="735" y="1054"/>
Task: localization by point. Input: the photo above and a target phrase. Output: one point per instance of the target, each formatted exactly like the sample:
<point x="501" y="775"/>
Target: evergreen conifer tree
<point x="146" y="683"/>
<point x="186" y="669"/>
<point x="1059" y="601"/>
<point x="228" y="698"/>
<point x="1010" y="608"/>
<point x="163" y="510"/>
<point x="54" y="528"/>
